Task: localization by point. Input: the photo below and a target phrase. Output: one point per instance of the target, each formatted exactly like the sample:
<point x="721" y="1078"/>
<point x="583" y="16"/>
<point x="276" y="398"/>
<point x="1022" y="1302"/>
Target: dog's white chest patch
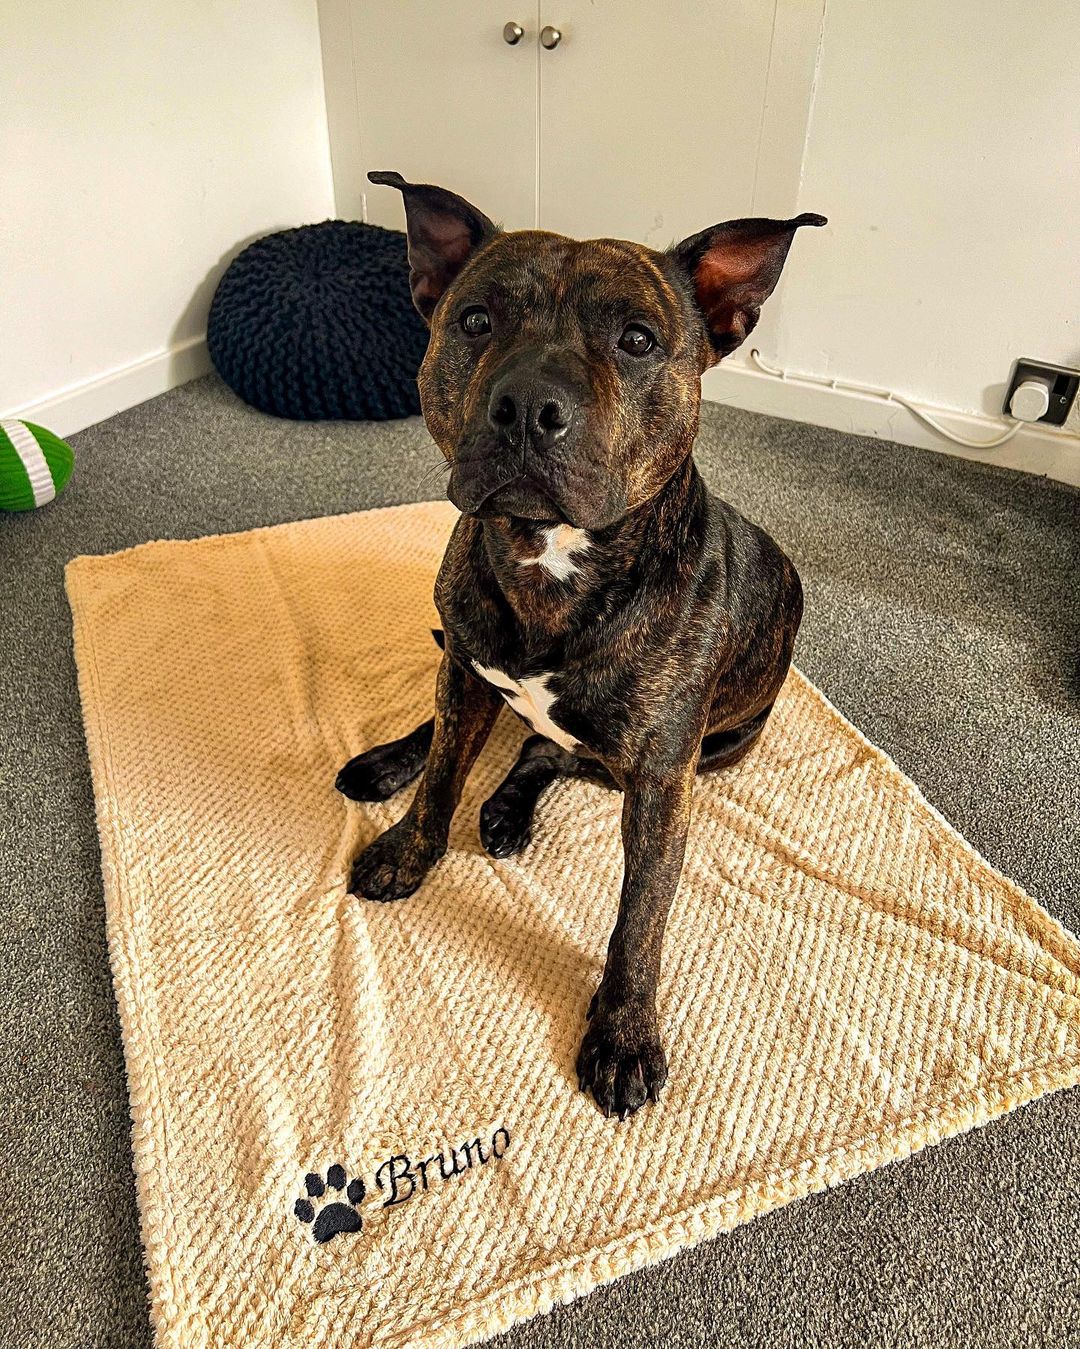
<point x="561" y="543"/>
<point x="531" y="699"/>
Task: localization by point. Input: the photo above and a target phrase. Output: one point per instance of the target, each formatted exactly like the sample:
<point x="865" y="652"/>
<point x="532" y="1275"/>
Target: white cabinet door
<point x="433" y="91"/>
<point x="651" y="115"/>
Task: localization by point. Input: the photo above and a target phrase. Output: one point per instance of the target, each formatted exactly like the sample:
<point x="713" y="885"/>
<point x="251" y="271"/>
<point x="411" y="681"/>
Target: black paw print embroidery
<point x="334" y="1217"/>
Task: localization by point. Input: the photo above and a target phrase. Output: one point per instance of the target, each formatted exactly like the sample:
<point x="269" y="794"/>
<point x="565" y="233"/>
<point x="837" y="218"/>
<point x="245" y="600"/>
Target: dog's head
<point x="562" y="378"/>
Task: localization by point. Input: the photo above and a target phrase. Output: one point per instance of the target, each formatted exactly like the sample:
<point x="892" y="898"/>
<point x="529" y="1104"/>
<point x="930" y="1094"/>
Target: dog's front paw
<point x="393" y="866"/>
<point x="621" y="1060"/>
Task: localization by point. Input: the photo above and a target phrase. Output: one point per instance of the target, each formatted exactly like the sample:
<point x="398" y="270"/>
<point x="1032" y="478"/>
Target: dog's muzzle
<point x="520" y="461"/>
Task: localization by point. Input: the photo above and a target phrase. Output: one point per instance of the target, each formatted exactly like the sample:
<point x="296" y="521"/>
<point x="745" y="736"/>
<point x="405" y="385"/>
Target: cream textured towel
<point x="358" y="1124"/>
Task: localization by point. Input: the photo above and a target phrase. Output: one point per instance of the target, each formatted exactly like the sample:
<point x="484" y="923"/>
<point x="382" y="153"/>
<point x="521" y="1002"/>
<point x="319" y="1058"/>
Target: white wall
<point x="141" y="145"/>
<point x="944" y="146"/>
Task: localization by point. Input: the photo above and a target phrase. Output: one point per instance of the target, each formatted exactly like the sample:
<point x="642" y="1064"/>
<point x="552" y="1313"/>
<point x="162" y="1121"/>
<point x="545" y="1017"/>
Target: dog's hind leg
<point x="723" y="749"/>
<point x="378" y="773"/>
<point x="506" y="816"/>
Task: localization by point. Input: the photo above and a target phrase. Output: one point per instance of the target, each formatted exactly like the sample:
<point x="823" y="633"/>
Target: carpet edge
<point x="142" y="1090"/>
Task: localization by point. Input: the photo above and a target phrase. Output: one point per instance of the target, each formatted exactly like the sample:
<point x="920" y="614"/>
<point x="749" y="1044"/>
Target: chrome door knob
<point x="512" y="34"/>
<point x="550" y="37"/>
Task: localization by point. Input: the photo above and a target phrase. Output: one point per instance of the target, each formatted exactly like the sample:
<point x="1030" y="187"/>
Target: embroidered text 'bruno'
<point x="401" y="1177"/>
<point x="331" y="1206"/>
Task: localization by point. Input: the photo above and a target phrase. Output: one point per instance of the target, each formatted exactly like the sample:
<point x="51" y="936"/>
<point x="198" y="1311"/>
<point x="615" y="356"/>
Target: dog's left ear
<point x="444" y="230"/>
<point x="734" y="269"/>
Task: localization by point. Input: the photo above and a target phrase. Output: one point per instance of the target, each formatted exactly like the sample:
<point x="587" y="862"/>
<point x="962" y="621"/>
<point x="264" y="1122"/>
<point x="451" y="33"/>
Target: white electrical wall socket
<point x="1040" y="392"/>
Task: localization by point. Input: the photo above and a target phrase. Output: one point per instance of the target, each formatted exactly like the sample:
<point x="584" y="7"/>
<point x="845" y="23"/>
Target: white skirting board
<point x="1042" y="450"/>
<point x="81" y="405"/>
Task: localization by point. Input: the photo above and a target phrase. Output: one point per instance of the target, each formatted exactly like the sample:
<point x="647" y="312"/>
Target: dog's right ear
<point x="444" y="231"/>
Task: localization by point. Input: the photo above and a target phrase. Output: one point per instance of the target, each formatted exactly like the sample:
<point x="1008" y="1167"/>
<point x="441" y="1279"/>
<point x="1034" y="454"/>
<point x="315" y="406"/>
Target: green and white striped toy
<point x="34" y="465"/>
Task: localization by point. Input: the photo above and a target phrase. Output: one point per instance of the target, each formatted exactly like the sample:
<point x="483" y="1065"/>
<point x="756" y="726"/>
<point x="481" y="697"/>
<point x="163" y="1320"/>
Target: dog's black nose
<point x="533" y="411"/>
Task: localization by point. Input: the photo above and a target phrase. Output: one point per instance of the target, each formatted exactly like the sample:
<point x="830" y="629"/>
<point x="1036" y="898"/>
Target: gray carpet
<point x="942" y="616"/>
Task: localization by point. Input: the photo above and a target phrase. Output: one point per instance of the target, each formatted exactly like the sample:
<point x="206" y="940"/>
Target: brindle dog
<point x="639" y="625"/>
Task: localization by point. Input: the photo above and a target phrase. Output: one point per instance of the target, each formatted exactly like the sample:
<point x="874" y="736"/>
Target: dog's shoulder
<point x="743" y="568"/>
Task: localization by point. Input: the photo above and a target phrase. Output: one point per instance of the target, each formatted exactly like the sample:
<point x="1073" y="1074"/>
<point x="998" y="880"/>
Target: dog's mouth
<point x="519" y="496"/>
<point x="524" y="500"/>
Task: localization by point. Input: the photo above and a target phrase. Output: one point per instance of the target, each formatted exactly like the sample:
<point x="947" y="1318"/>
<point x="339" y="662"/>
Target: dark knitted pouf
<point x="318" y="322"/>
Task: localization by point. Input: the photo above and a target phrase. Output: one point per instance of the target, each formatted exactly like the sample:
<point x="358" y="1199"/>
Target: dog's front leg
<point x="396" y="862"/>
<point x="621" y="1058"/>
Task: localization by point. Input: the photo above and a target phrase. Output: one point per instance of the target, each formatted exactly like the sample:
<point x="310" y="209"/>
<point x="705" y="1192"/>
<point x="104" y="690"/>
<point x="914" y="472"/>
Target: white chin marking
<point x="531" y="699"/>
<point x="561" y="543"/>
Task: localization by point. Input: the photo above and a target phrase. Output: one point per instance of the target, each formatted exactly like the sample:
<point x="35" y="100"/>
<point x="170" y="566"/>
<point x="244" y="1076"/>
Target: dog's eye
<point x="636" y="339"/>
<point x="475" y="321"/>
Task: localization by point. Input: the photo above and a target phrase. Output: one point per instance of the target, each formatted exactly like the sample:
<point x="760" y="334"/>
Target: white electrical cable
<point x="889" y="397"/>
